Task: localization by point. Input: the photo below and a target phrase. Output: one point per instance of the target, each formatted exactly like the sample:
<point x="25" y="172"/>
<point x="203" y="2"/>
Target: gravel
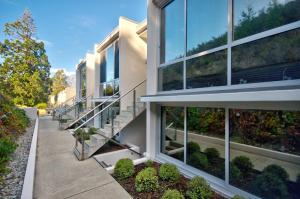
<point x="11" y="186"/>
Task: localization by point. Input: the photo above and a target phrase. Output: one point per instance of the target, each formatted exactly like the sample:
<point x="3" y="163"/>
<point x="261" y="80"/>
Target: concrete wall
<point x="90" y="76"/>
<point x="31" y="112"/>
<point x="133" y="56"/>
<point x="135" y="133"/>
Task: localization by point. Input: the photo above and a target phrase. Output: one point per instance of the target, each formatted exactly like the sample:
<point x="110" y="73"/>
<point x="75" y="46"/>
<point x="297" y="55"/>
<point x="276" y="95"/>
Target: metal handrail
<point x="80" y="100"/>
<point x="109" y="105"/>
<point x="93" y="109"/>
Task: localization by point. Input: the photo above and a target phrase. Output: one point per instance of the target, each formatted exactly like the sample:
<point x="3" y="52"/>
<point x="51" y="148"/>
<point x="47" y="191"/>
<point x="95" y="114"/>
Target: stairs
<point x="108" y="131"/>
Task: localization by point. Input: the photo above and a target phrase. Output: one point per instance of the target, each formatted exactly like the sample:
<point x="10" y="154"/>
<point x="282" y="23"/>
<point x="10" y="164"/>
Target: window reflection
<point x="207" y="70"/>
<point x="254" y="16"/>
<point x="172" y="31"/>
<point x="83" y="80"/>
<point x="206" y="25"/>
<point x="171" y="77"/>
<point x="270" y="59"/>
<point x="172" y="132"/>
<point x="110" y="64"/>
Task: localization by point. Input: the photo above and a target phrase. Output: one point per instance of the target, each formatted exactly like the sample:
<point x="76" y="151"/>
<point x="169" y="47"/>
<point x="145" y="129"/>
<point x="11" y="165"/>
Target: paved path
<point x="60" y="175"/>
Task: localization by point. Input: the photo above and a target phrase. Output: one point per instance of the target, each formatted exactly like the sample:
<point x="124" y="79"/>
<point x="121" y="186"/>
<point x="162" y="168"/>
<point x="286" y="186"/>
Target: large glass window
<point x="205" y="140"/>
<point x="206" y="25"/>
<point x="254" y="16"/>
<point x="265" y="152"/>
<point x="83" y="80"/>
<point x="172" y="31"/>
<point x="207" y="70"/>
<point x="110" y="64"/>
<point x="273" y="58"/>
<point x="172" y="132"/>
<point x="171" y="77"/>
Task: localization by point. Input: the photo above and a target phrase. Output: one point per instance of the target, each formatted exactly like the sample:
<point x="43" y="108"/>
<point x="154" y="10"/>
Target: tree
<point x="24" y="73"/>
<point x="59" y="83"/>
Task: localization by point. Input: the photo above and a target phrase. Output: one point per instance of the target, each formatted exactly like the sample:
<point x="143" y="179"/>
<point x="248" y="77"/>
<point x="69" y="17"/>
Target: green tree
<point x="59" y="83"/>
<point x="24" y="73"/>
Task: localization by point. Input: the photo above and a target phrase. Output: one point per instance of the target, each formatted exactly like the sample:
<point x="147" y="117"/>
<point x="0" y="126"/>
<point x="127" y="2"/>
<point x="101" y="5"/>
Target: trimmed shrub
<point x="238" y="197"/>
<point x="234" y="172"/>
<point x="7" y="147"/>
<point x="244" y="164"/>
<point x="80" y="133"/>
<point x="124" y="168"/>
<point x="172" y="194"/>
<point x="146" y="180"/>
<point x="149" y="163"/>
<point x="267" y="185"/>
<point x="193" y="147"/>
<point x="169" y="172"/>
<point x="197" y="188"/>
<point x="277" y="171"/>
<point x="92" y="131"/>
<point x="41" y="105"/>
<point x="212" y="154"/>
<point x="198" y="160"/>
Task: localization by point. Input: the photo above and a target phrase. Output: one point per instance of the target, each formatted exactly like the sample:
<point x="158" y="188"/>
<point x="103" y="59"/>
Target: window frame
<point x="230" y="44"/>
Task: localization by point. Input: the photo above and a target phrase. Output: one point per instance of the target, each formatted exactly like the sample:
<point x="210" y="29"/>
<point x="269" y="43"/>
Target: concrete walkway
<point x="60" y="175"/>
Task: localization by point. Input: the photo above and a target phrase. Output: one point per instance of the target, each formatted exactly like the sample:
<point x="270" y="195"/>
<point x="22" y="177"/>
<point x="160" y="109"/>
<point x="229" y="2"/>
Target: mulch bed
<point x="129" y="185"/>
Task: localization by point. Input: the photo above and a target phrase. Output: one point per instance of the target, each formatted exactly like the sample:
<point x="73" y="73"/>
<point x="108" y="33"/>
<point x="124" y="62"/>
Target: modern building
<point x="223" y="92"/>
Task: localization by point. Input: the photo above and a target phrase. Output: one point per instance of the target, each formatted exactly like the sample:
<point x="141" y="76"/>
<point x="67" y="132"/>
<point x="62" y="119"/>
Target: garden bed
<point x="129" y="184"/>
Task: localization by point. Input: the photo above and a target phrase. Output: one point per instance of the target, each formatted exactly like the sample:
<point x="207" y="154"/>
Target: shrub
<point x="268" y="185"/>
<point x="172" y="194"/>
<point x="7" y="147"/>
<point x="146" y="180"/>
<point x="149" y="163"/>
<point x="198" y="160"/>
<point x="193" y="147"/>
<point x="244" y="164"/>
<point x="238" y="197"/>
<point x="277" y="171"/>
<point x="234" y="172"/>
<point x="41" y="105"/>
<point x="92" y="131"/>
<point x="20" y="119"/>
<point x="124" y="168"/>
<point x="212" y="154"/>
<point x="169" y="172"/>
<point x="198" y="188"/>
<point x="80" y="133"/>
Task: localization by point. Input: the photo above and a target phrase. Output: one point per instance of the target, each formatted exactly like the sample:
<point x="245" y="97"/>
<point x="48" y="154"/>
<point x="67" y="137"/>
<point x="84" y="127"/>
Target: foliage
<point x="58" y="83"/>
<point x="149" y="163"/>
<point x="81" y="134"/>
<point x="7" y="147"/>
<point x="268" y="185"/>
<point x="124" y="168"/>
<point x="193" y="147"/>
<point x="172" y="194"/>
<point x="212" y="154"/>
<point x="92" y="131"/>
<point x="25" y="69"/>
<point x="238" y="197"/>
<point x="146" y="180"/>
<point x="234" y="172"/>
<point x="197" y="188"/>
<point x="169" y="172"/>
<point x="42" y="105"/>
<point x="277" y="171"/>
<point x="198" y="160"/>
<point x="244" y="164"/>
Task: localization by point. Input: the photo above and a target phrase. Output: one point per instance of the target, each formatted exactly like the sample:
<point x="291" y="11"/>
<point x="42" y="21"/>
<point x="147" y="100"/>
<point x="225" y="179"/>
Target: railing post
<point x="82" y="146"/>
<point x="112" y="123"/>
<point x="134" y="104"/>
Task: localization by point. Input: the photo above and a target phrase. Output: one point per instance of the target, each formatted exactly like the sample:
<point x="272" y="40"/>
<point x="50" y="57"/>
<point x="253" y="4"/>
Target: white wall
<point x="90" y="76"/>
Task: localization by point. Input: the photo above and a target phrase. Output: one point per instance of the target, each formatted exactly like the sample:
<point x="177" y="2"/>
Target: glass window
<point x="83" y="80"/>
<point x="207" y="70"/>
<point x="254" y="16"/>
<point x="269" y="59"/>
<point x="206" y="25"/>
<point x="110" y="64"/>
<point x="116" y="60"/>
<point x="103" y="68"/>
<point x="265" y="152"/>
<point x="171" y="77"/>
<point x="205" y="140"/>
<point x="172" y="31"/>
<point x="172" y="132"/>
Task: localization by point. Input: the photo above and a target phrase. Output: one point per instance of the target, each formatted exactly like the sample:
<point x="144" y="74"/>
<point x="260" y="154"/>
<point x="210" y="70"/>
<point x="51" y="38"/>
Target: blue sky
<point x="70" y="28"/>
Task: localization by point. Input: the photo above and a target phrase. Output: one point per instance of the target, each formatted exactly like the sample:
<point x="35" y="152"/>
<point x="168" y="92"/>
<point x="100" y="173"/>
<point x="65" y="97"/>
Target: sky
<point x="70" y="28"/>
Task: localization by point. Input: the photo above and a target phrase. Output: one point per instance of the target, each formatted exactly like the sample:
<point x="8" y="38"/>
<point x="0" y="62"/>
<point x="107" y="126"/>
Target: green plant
<point x="268" y="185"/>
<point x="193" y="147"/>
<point x="80" y="133"/>
<point x="146" y="180"/>
<point x="92" y="131"/>
<point x="124" y="168"/>
<point x="197" y="188"/>
<point x="234" y="172"/>
<point x="169" y="172"/>
<point x="172" y="194"/>
<point x="149" y="163"/>
<point x="237" y="197"/>
<point x="41" y="105"/>
<point x="277" y="171"/>
<point x="198" y="160"/>
<point x="244" y="164"/>
<point x="212" y="154"/>
<point x="7" y="147"/>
